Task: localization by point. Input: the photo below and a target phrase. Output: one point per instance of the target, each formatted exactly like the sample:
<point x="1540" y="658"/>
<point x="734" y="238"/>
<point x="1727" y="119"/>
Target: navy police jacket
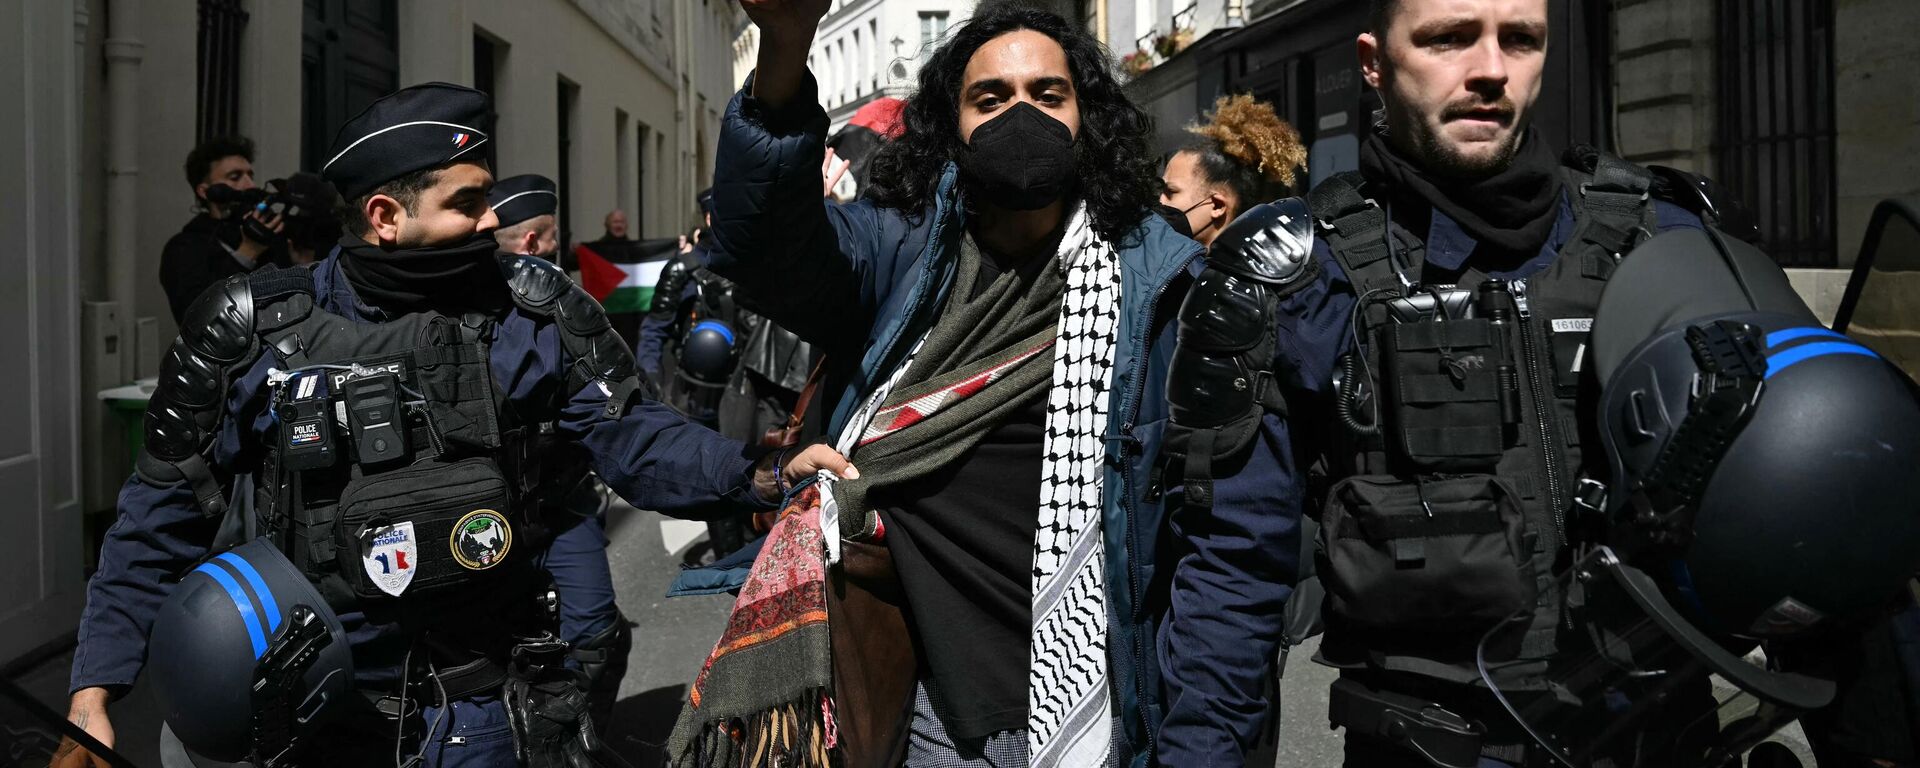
<point x="651" y="456"/>
<point x="858" y="281"/>
<point x="1314" y="330"/>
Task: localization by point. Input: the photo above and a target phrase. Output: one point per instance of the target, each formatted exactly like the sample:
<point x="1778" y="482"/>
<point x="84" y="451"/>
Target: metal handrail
<point x="1870" y="247"/>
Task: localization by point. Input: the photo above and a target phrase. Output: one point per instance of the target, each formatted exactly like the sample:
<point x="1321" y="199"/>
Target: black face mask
<point x="1021" y="160"/>
<point x="466" y="276"/>
<point x="1177" y="218"/>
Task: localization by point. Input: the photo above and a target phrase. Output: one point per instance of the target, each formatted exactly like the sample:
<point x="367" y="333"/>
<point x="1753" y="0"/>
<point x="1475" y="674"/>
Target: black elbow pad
<point x="1220" y="382"/>
<point x="596" y="352"/>
<point x="216" y="339"/>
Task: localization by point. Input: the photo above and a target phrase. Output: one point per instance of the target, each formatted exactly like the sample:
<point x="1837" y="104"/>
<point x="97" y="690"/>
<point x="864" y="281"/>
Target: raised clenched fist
<point x="786" y="16"/>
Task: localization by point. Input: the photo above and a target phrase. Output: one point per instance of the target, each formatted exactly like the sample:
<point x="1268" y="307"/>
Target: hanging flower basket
<point x="1136" y="63"/>
<point x="1172" y="43"/>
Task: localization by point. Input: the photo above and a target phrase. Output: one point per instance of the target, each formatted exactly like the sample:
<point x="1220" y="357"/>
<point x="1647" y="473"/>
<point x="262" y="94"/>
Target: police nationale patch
<point x="481" y="539"/>
<point x="304" y="433"/>
<point x="392" y="557"/>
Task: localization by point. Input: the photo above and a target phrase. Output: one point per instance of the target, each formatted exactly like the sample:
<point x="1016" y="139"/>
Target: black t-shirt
<point x="962" y="542"/>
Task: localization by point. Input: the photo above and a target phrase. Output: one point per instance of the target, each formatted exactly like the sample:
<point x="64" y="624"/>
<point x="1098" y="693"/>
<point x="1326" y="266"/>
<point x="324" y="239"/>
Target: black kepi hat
<point x="517" y="198"/>
<point x="412" y="129"/>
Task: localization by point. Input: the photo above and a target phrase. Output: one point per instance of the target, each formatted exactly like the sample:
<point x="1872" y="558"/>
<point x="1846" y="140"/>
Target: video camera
<point x="304" y="201"/>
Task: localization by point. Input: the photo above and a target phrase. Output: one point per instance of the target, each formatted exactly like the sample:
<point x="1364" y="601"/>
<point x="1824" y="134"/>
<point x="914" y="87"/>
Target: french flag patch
<point x="460" y="139"/>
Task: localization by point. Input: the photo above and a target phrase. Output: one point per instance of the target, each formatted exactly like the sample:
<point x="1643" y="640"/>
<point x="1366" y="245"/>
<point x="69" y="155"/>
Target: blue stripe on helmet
<point x="267" y="603"/>
<point x="1778" y="338"/>
<point x="240" y="601"/>
<point x="1683" y="585"/>
<point x="718" y="326"/>
<point x="1800" y="354"/>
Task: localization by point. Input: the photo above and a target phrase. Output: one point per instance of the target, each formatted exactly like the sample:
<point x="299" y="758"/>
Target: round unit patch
<point x="481" y="539"/>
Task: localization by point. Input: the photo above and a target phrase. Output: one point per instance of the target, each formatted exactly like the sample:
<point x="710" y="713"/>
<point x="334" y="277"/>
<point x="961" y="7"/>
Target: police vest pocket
<point x="428" y="526"/>
<point x="1443" y="392"/>
<point x="1435" y="555"/>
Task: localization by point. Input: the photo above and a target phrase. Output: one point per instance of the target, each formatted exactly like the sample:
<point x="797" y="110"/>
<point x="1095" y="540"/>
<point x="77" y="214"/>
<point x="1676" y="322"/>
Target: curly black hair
<point x="1114" y="164"/>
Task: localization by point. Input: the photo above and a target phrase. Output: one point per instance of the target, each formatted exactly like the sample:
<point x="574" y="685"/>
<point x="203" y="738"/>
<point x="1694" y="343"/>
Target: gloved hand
<point x="547" y="706"/>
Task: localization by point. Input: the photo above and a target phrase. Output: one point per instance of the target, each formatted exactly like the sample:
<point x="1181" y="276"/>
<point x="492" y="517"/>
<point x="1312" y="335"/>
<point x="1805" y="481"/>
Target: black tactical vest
<point x="398" y="478"/>
<point x="1462" y="429"/>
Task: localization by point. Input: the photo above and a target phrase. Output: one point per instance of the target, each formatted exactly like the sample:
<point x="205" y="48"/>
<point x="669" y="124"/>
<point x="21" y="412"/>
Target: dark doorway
<point x="349" y="57"/>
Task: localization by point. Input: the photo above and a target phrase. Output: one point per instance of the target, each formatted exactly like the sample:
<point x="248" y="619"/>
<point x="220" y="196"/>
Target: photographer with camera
<point x="225" y="238"/>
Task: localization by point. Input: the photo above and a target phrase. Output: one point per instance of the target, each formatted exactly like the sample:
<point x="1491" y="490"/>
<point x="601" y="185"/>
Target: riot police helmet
<point x="246" y="658"/>
<point x="708" y="353"/>
<point x="1769" y="468"/>
<point x="1760" y="485"/>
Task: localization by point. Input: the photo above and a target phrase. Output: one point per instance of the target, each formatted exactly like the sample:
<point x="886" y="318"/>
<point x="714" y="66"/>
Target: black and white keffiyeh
<point x="1068" y="709"/>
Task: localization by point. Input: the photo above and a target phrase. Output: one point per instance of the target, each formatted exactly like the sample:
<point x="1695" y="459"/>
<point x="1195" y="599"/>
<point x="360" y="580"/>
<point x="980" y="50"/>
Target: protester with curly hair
<point x="1242" y="156"/>
<point x="993" y="319"/>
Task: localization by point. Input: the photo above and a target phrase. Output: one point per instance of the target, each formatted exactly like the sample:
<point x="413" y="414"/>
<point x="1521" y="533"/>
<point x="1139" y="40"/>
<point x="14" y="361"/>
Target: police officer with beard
<point x="1434" y="306"/>
<point x="392" y="398"/>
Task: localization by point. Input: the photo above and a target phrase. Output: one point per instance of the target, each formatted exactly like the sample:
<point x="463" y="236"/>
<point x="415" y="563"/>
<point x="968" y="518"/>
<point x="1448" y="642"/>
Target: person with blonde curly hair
<point x="1242" y="156"/>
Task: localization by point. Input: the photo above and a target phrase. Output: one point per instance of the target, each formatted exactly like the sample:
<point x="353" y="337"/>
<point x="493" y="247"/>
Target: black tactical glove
<point x="547" y="706"/>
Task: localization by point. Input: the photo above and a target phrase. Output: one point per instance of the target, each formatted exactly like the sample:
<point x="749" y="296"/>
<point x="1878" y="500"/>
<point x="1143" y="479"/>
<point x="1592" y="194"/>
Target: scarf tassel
<point x="797" y="734"/>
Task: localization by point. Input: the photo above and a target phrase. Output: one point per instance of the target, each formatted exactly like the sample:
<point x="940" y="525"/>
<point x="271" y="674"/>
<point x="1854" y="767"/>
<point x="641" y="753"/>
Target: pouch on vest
<point x="1567" y="343"/>
<point x="430" y="525"/>
<point x="1442" y="392"/>
<point x="1446" y="553"/>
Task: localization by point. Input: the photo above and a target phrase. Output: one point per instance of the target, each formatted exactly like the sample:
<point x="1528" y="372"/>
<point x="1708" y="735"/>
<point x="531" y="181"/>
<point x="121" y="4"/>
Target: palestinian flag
<point x="622" y="273"/>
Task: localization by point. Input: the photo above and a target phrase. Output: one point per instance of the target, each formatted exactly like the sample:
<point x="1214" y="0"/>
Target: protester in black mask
<point x="1242" y="156"/>
<point x="214" y="245"/>
<point x="991" y="321"/>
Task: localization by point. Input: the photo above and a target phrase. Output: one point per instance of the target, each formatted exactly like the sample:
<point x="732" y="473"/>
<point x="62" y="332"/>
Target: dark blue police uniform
<point x="651" y="456"/>
<point x="1216" y="705"/>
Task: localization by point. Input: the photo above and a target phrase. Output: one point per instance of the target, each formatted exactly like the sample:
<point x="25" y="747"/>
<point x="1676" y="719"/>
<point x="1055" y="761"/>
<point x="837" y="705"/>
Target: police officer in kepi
<point x="325" y="554"/>
<point x="573" y="505"/>
<point x="1414" y="337"/>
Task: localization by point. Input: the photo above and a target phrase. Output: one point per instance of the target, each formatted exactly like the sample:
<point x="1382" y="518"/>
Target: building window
<point x="622" y="160"/>
<point x="636" y="217"/>
<point x="218" y="68"/>
<point x="1774" y="149"/>
<point x="569" y="103"/>
<point x="933" y="28"/>
<point x="661" y="190"/>
<point x="859" y="63"/>
<point x="846" y="71"/>
<point x="486" y="79"/>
